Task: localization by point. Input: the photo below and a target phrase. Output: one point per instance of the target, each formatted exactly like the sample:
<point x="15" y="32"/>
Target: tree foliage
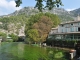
<point x="33" y="35"/>
<point x="43" y="26"/>
<point x="3" y="35"/>
<point x="35" y="18"/>
<point x="14" y="37"/>
<point x="13" y="23"/>
<point x="55" y="19"/>
<point x="42" y="22"/>
<point x="39" y="4"/>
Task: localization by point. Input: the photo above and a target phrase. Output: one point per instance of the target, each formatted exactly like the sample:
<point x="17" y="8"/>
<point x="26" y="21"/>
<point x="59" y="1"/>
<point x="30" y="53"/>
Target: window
<point x="78" y="28"/>
<point x="66" y="29"/>
<point x="71" y="24"/>
<point x="72" y="29"/>
<point x="62" y="30"/>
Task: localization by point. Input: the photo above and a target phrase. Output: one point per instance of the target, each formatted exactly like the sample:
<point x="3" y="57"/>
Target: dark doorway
<point x="78" y="28"/>
<point x="21" y="39"/>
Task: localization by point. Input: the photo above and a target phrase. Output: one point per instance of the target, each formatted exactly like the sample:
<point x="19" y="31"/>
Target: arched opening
<point x="21" y="39"/>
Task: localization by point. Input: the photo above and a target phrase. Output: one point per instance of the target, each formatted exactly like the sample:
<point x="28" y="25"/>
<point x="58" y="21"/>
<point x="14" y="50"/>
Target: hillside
<point x="75" y="12"/>
<point x="13" y="22"/>
<point x="62" y="13"/>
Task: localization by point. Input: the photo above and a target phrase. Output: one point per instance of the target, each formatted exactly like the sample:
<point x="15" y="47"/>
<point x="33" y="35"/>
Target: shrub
<point x="14" y="37"/>
<point x="9" y="40"/>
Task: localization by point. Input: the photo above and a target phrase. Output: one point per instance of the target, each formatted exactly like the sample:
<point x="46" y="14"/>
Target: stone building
<point x="67" y="31"/>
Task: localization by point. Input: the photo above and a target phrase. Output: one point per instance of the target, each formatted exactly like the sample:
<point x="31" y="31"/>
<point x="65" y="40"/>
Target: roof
<point x="70" y="22"/>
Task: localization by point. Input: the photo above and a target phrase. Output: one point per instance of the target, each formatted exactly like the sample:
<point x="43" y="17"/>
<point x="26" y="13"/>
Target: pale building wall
<point x="78" y="17"/>
<point x="70" y="27"/>
<point x="53" y="30"/>
<point x="75" y="25"/>
<point x="67" y="27"/>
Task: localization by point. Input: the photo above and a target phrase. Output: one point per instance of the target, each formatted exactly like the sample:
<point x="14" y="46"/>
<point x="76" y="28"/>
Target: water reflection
<point x="21" y="51"/>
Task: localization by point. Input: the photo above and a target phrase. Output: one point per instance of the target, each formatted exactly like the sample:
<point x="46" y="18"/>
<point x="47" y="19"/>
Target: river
<point x="21" y="51"/>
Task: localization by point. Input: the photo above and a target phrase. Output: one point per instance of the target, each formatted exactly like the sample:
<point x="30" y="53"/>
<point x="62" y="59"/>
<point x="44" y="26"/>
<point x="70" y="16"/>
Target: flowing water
<point x="21" y="51"/>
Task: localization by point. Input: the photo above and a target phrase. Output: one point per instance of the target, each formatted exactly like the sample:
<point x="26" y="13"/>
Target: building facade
<point x="67" y="31"/>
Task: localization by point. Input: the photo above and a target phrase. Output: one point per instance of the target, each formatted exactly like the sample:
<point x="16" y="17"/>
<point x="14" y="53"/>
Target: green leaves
<point x="18" y="2"/>
<point x="58" y="3"/>
<point x="49" y="4"/>
<point x="33" y="34"/>
<point x="42" y="22"/>
<point x="14" y="37"/>
<point x="39" y="4"/>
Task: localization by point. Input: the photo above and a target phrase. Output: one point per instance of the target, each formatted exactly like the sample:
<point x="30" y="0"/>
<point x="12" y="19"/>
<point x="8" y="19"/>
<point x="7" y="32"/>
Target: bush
<point x="62" y="43"/>
<point x="3" y="35"/>
<point x="9" y="40"/>
<point x="14" y="37"/>
<point x="28" y="41"/>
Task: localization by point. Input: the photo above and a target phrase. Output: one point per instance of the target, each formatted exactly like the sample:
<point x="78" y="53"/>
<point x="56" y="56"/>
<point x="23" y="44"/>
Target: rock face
<point x="26" y="10"/>
<point x="21" y="31"/>
<point x="75" y="12"/>
<point x="62" y="13"/>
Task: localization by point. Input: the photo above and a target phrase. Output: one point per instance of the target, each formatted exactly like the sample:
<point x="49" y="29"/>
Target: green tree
<point x="39" y="4"/>
<point x="43" y="22"/>
<point x="35" y="18"/>
<point x="14" y="37"/>
<point x="55" y="19"/>
<point x="33" y="35"/>
<point x="3" y="35"/>
<point x="43" y="26"/>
